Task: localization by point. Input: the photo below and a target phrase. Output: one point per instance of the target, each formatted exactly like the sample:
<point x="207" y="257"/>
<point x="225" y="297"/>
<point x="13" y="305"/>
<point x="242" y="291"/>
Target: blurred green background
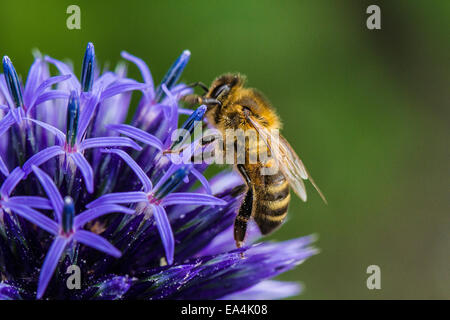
<point x="368" y="111"/>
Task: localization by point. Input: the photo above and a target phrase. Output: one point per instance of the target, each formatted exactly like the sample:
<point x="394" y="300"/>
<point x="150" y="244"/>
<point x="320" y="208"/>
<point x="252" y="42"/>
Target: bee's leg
<point x="191" y="99"/>
<point x="245" y="211"/>
<point x="195" y="99"/>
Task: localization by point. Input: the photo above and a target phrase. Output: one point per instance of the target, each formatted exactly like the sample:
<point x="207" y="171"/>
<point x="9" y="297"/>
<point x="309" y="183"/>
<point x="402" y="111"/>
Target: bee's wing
<point x="288" y="161"/>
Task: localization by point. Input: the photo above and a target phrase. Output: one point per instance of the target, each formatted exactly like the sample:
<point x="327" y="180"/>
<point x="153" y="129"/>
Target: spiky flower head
<point x="82" y="191"/>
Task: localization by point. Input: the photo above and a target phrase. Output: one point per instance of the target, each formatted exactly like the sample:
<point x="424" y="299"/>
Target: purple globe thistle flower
<point x="74" y="192"/>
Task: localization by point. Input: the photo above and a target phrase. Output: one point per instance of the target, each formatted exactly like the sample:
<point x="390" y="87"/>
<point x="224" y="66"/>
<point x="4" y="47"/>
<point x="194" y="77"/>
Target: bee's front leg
<point x="191" y="99"/>
<point x="195" y="99"/>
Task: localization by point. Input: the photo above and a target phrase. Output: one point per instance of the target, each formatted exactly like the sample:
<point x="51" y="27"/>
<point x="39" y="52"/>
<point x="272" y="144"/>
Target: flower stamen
<point x="87" y="70"/>
<point x="189" y="125"/>
<point x="172" y="182"/>
<point x="12" y="81"/>
<point x="73" y="114"/>
<point x="173" y="74"/>
<point x="68" y="215"/>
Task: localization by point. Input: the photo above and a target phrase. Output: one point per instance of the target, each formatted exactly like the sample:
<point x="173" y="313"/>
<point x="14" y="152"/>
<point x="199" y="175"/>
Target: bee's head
<point x="223" y="87"/>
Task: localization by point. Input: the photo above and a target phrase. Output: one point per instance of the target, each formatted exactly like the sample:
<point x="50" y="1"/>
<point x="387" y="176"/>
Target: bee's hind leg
<point x="241" y="221"/>
<point x="245" y="211"/>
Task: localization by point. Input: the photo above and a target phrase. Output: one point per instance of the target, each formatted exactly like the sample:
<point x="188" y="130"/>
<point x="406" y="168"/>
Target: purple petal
<point x="32" y="201"/>
<point x="18" y="114"/>
<point x="234" y="271"/>
<point x="165" y="231"/>
<point x="11" y="181"/>
<point x="145" y="72"/>
<point x="51" y="190"/>
<point x="134" y="166"/>
<point x="33" y="216"/>
<point x="94" y="241"/>
<point x="5" y="92"/>
<point x="51" y="95"/>
<point x="108" y="142"/>
<point x="169" y="99"/>
<point x="6" y="122"/>
<point x="185" y="111"/>
<point x="202" y="180"/>
<point x="192" y="199"/>
<point x="137" y="134"/>
<point x="85" y="169"/>
<point x="225" y="180"/>
<point x="121" y="86"/>
<point x="64" y="69"/>
<point x="113" y="110"/>
<point x="266" y="290"/>
<point x="91" y="214"/>
<point x="104" y="81"/>
<point x="119" y="197"/>
<point x="9" y="292"/>
<point x="172" y="109"/>
<point x="41" y="157"/>
<point x="34" y="75"/>
<point x="49" y="82"/>
<point x="87" y="113"/>
<point x="50" y="263"/>
<point x="181" y="90"/>
<point x="43" y="86"/>
<point x="3" y="167"/>
<point x="58" y="133"/>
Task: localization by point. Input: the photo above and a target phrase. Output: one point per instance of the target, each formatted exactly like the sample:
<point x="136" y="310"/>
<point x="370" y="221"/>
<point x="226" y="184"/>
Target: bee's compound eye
<point x="222" y="89"/>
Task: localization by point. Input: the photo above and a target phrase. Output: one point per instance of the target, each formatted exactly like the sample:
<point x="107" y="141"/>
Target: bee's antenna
<point x="199" y="84"/>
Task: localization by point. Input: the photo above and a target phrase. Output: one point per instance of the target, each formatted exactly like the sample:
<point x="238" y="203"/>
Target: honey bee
<point x="230" y="105"/>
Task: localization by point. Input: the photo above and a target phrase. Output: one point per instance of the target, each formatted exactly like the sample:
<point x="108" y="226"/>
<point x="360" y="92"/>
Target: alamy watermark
<point x="374" y="280"/>
<point x="74" y="280"/>
<point x="373" y="22"/>
<point x="74" y="20"/>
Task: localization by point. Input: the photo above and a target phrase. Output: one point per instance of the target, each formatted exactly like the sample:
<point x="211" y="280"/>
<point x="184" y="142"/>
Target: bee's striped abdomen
<point x="271" y="202"/>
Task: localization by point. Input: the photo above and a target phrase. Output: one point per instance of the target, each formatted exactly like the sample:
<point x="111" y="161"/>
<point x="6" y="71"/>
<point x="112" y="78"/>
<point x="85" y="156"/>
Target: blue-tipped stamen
<point x="87" y="71"/>
<point x="73" y="114"/>
<point x="68" y="214"/>
<point x="12" y="81"/>
<point x="173" y="74"/>
<point x="172" y="182"/>
<point x="189" y="125"/>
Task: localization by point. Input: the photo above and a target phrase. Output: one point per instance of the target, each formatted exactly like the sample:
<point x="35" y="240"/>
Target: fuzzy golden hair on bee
<point x="234" y="81"/>
<point x="229" y="89"/>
